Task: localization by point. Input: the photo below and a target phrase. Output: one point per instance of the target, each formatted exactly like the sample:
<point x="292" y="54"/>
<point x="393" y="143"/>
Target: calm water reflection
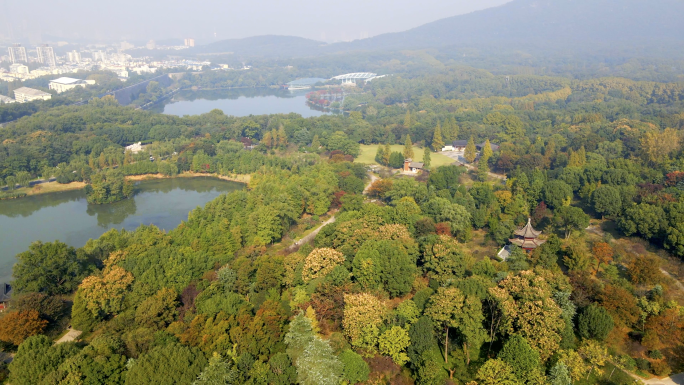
<point x="239" y="102"/>
<point x="69" y="218"/>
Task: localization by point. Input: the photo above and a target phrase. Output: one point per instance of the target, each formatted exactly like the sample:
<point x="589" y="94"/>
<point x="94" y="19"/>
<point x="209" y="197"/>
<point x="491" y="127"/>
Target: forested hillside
<point x="405" y="285"/>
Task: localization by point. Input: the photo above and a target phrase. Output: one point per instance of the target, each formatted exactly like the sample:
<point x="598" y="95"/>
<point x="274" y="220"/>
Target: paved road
<point x="70" y="336"/>
<point x="675" y="379"/>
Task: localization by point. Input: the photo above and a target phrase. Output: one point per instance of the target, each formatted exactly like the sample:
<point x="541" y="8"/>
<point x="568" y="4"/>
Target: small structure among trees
<point x="411" y="166"/>
<point x="527" y="237"/>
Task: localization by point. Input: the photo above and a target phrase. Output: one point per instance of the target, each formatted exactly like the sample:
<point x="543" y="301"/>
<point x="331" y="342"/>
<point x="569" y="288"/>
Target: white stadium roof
<point x="355" y="75"/>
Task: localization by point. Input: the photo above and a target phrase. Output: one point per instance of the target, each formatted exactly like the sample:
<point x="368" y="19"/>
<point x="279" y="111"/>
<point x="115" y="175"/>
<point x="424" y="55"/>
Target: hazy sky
<point x="145" y="19"/>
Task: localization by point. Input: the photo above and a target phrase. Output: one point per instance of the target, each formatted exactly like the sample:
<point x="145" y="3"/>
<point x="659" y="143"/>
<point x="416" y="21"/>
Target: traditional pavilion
<point x="527" y="237"/>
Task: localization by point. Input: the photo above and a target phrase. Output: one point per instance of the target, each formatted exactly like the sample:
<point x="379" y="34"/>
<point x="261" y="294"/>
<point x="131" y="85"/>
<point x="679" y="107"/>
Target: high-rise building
<point x="73" y="57"/>
<point x="99" y="56"/>
<point x="189" y="42"/>
<point x="46" y="55"/>
<point x="17" y="53"/>
<point x="150" y="45"/>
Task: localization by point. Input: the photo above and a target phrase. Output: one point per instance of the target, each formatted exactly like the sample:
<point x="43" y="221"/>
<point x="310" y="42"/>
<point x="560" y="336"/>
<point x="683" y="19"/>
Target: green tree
<point x="355" y="368"/>
<point x="23" y="178"/>
<point x="570" y="218"/>
<point x="315" y="143"/>
<point x="560" y="375"/>
<point x="157" y="311"/>
<point x="522" y="358"/>
<point x="594" y="323"/>
<point x="219" y="371"/>
<point x="437" y="142"/>
<point x="607" y="200"/>
<point x="408" y="148"/>
<point x="496" y="372"/>
<point x="487" y="151"/>
<point x="298" y="337"/>
<point x="167" y="364"/>
<point x="36" y="358"/>
<point x="11" y="182"/>
<point x="444" y="308"/>
<point x="380" y="155"/>
<point x="393" y="343"/>
<point x="387" y="153"/>
<point x="407" y="119"/>
<point x="50" y="268"/>
<point x="318" y="365"/>
<point x="426" y="158"/>
<point x="557" y="194"/>
<point x="470" y="151"/>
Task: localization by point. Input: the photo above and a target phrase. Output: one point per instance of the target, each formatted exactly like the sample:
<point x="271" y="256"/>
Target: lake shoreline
<point x="54" y="187"/>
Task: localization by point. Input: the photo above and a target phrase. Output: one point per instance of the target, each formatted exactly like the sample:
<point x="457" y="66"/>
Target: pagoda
<point x="527" y="237"/>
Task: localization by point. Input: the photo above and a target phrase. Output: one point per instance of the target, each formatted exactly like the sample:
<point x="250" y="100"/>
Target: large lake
<point x="238" y="102"/>
<point x="66" y="216"/>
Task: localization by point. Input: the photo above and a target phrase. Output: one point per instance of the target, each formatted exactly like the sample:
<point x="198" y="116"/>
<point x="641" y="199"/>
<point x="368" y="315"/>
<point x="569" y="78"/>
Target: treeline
<point x="388" y="292"/>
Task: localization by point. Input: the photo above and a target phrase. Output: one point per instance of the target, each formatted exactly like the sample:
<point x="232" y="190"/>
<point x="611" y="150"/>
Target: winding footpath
<point x="309" y="237"/>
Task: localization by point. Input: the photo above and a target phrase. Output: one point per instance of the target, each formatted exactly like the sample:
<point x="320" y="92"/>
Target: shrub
<point x="661" y="368"/>
<point x="643" y="364"/>
<point x="655" y="354"/>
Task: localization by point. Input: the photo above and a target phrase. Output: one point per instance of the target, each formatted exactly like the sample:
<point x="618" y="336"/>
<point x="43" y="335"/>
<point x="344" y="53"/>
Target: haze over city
<point x="144" y="20"/>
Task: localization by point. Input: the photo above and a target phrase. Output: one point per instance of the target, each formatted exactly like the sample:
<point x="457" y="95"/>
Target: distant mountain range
<point x="545" y="24"/>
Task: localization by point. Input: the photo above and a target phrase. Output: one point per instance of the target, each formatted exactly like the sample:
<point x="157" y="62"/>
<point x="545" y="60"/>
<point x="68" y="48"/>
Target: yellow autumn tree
<point x="470" y="151"/>
<point x="320" y="262"/>
<point x="657" y="146"/>
<point x="105" y="294"/>
<point x="363" y="315"/>
<point x="487" y="151"/>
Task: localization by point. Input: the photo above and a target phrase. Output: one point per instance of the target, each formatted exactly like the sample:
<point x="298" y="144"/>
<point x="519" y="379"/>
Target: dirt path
<point x="309" y="237"/>
<point x="677" y="282"/>
<point x="70" y="336"/>
<point x="373" y="178"/>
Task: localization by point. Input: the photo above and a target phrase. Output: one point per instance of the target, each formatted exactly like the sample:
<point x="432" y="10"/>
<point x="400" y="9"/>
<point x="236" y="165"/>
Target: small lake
<point x="239" y="102"/>
<point x="66" y="216"/>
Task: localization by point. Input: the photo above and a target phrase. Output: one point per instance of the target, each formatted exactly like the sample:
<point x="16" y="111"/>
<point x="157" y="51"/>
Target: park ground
<point x="367" y="155"/>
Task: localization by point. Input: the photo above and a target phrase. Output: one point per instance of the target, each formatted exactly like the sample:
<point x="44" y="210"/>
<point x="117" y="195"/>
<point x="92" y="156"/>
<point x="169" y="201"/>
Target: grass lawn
<point x="367" y="155"/>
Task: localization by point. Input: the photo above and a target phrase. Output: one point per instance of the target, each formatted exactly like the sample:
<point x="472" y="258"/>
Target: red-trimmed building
<point x="527" y="237"/>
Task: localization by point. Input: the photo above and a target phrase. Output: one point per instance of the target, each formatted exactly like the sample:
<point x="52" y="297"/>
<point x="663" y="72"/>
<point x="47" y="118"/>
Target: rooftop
<point x="30" y="91"/>
<point x="306" y="81"/>
<point x="5" y="292"/>
<point x="528" y="231"/>
<point x="66" y="80"/>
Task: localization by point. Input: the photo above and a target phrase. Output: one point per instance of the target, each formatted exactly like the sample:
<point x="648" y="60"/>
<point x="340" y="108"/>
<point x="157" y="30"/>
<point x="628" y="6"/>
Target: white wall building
<point x="25" y="94"/>
<point x="46" y="55"/>
<point x="73" y="57"/>
<point x="64" y="84"/>
<point x="6" y="99"/>
<point x="189" y="42"/>
<point x="17" y="68"/>
<point x="134" y="148"/>
<point x="17" y="54"/>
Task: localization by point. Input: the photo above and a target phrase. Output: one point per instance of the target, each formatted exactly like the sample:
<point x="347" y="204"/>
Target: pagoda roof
<point x="528" y="231"/>
<point x="527" y="243"/>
